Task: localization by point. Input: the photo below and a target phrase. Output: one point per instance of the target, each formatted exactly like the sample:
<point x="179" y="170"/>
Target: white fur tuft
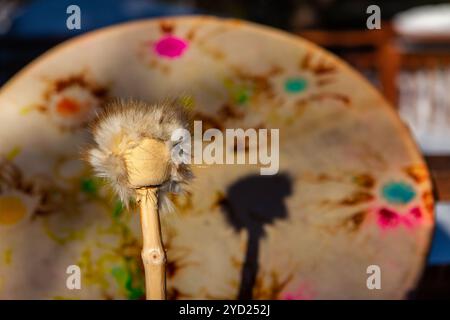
<point x="122" y="126"/>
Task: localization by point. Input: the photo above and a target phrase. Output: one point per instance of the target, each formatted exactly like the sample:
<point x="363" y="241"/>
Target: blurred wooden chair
<point x="387" y="56"/>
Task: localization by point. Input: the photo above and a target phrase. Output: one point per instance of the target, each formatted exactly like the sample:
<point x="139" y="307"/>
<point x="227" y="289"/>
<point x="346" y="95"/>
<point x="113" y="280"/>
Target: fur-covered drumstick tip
<point x="133" y="151"/>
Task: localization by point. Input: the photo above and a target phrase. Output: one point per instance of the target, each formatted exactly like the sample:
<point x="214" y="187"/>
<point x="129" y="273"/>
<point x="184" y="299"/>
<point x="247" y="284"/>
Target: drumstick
<point x="133" y="151"/>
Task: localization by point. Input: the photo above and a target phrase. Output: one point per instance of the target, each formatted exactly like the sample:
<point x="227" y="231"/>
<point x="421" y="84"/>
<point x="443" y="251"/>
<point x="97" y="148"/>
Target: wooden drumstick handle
<point x="153" y="254"/>
<point x="132" y="149"/>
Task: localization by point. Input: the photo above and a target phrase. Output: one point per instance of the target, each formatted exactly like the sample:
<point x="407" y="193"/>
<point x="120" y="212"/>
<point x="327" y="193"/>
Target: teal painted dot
<point x="295" y="85"/>
<point x="398" y="192"/>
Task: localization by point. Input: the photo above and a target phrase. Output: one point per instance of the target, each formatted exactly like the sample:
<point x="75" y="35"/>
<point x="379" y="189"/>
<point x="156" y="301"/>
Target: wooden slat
<point x="440" y="173"/>
<point x="346" y="38"/>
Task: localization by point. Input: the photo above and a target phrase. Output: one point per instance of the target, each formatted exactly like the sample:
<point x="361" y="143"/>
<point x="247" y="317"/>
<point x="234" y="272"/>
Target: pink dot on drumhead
<point x="416" y="212"/>
<point x="170" y="47"/>
<point x="388" y="218"/>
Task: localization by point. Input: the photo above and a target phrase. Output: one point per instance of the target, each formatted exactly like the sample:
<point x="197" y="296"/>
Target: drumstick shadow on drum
<point x="251" y="203"/>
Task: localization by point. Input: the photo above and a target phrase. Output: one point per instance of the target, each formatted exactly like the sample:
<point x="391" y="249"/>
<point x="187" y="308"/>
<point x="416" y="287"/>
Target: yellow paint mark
<point x="188" y="102"/>
<point x="290" y="121"/>
<point x="25" y="110"/>
<point x="71" y="235"/>
<point x="12" y="210"/>
<point x="274" y="118"/>
<point x="64" y="298"/>
<point x="7" y="256"/>
<point x="94" y="272"/>
<point x="13" y="153"/>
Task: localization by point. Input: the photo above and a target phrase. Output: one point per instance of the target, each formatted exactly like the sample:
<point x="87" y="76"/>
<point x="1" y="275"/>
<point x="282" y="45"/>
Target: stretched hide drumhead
<point x="351" y="199"/>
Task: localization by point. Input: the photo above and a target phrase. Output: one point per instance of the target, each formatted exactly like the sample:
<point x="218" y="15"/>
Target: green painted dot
<point x="295" y="85"/>
<point x="124" y="277"/>
<point x="120" y="275"/>
<point x="134" y="292"/>
<point x="118" y="209"/>
<point x="89" y="186"/>
<point x="241" y="96"/>
<point x="398" y="192"/>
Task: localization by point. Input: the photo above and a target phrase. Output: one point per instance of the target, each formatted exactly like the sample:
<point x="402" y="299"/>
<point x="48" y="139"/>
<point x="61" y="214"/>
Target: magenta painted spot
<point x="413" y="218"/>
<point x="293" y="296"/>
<point x="388" y="218"/>
<point x="303" y="292"/>
<point x="171" y="47"/>
<point x="416" y="213"/>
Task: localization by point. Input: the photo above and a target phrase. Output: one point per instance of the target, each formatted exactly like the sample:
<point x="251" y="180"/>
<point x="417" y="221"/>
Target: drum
<point x="348" y="213"/>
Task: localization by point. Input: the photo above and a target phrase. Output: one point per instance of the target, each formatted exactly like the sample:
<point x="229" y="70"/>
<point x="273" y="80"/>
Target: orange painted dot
<point x="12" y="210"/>
<point x="68" y="107"/>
